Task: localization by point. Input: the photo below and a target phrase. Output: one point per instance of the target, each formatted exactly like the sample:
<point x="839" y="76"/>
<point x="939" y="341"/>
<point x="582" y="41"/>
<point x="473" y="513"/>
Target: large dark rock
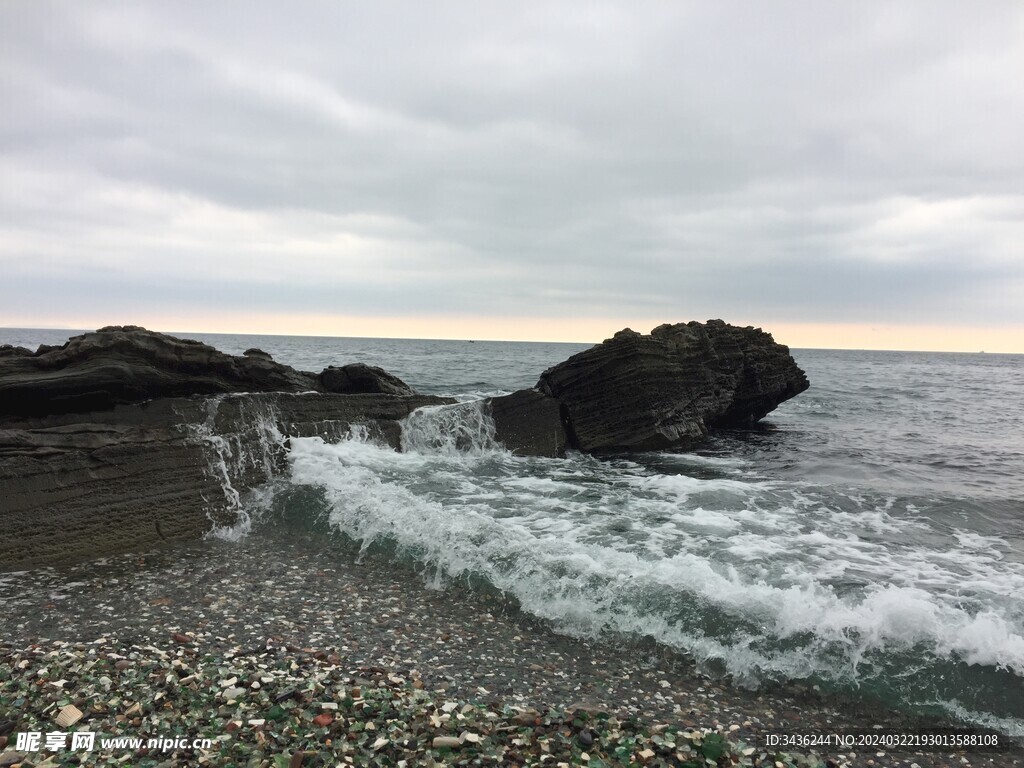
<point x="9" y="350"/>
<point x="638" y="392"/>
<point x="128" y="364"/>
<point x="357" y="378"/>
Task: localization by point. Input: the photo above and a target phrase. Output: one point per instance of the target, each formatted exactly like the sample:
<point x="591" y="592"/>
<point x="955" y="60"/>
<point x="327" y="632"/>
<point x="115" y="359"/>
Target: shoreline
<point x="291" y="598"/>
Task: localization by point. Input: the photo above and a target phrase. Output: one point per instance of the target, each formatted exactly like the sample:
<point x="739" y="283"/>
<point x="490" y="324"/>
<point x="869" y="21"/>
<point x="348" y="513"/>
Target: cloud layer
<point x="791" y="162"/>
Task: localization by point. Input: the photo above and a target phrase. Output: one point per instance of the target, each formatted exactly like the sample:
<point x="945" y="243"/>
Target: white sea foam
<point x="449" y="430"/>
<point x="699" y="459"/>
<point x="683" y="487"/>
<point x="990" y="544"/>
<point x="1005" y="725"/>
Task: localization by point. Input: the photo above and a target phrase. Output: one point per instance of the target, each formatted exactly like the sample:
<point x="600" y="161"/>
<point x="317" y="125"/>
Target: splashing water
<point x="245" y="451"/>
<point x="449" y="430"/>
<point x="757" y="579"/>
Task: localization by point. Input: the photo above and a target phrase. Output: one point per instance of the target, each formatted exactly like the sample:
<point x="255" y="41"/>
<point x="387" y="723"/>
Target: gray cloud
<point x="798" y="160"/>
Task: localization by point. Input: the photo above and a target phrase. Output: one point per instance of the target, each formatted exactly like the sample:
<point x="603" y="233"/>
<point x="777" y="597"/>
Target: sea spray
<point x="245" y="449"/>
<point x="450" y="430"/>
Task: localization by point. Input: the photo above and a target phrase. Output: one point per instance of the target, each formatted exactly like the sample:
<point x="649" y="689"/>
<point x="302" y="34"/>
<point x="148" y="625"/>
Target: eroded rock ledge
<point x="124" y="438"/>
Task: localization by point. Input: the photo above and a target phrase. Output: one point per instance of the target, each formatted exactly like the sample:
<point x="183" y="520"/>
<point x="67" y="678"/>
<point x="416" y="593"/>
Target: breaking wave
<point x="755" y="579"/>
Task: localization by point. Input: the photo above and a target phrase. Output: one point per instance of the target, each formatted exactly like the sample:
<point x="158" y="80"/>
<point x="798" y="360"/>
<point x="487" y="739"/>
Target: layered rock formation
<point x="123" y="479"/>
<point x="124" y="438"/>
<point x="638" y="392"/>
<point x="128" y="364"/>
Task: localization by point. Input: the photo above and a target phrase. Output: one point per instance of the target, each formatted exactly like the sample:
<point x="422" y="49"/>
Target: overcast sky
<point x="516" y="170"/>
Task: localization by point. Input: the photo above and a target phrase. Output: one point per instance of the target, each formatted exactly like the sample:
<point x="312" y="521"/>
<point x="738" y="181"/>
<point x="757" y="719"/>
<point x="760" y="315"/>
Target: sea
<point x="866" y="538"/>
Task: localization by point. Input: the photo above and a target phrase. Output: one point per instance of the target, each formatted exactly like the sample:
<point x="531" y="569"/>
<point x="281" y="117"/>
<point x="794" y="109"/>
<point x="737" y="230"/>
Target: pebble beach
<point x="283" y="653"/>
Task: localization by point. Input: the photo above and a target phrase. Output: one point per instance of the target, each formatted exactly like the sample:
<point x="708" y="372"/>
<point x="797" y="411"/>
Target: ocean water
<point x="867" y="538"/>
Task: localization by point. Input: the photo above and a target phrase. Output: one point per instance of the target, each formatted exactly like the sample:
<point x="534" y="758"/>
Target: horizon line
<point x="179" y="334"/>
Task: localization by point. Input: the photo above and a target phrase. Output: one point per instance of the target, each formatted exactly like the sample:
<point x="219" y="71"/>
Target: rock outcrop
<point x="132" y="476"/>
<point x="638" y="392"/>
<point x="358" y="378"/>
<point x="128" y="364"/>
<point x="124" y="438"/>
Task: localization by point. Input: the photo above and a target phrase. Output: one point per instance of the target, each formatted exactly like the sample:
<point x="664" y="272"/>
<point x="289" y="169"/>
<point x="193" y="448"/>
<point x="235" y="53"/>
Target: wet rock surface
<point x="637" y="392"/>
<point x="85" y="485"/>
<point x="124" y="438"/>
<point x="529" y="423"/>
